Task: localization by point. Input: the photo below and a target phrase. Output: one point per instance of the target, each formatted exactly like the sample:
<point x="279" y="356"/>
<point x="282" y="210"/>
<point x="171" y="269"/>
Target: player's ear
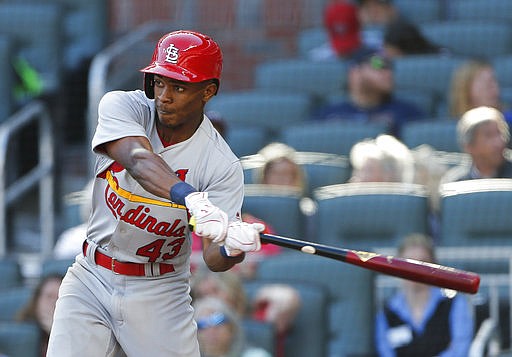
<point x="209" y="91"/>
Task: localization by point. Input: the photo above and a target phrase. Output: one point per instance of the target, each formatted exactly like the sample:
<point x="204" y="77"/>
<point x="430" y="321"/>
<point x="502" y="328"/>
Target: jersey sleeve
<point x="227" y="191"/>
<point x="120" y="114"/>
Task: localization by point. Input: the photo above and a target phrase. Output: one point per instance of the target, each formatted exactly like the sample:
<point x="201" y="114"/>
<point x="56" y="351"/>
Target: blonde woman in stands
<point x="475" y="84"/>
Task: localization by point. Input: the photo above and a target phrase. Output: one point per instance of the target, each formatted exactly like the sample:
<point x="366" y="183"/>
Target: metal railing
<point x="41" y="175"/>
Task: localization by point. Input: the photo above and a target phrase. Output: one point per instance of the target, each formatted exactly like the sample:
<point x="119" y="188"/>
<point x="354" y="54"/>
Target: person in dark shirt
<point x="420" y="320"/>
<point x="370" y="89"/>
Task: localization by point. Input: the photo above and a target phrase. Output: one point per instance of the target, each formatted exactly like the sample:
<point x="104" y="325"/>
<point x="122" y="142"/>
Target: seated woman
<point x="421" y="320"/>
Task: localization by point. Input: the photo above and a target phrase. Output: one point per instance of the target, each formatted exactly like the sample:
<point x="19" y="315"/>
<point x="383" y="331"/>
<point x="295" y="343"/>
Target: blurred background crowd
<point x="378" y="125"/>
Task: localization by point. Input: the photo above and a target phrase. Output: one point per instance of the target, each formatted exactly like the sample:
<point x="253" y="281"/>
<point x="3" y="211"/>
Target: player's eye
<point x="158" y="82"/>
<point x="179" y="89"/>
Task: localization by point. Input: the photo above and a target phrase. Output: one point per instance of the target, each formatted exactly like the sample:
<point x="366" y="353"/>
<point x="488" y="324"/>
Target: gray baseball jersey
<point x="148" y="315"/>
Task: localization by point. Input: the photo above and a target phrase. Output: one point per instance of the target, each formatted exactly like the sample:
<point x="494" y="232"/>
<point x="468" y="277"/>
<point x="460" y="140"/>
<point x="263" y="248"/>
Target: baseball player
<point x="159" y="161"/>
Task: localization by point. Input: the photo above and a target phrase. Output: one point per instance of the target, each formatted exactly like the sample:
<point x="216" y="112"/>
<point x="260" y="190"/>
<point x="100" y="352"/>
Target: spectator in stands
<point x="341" y="22"/>
<point x="383" y="159"/>
<point x="402" y="38"/>
<point x="483" y="133"/>
<point x="474" y="84"/>
<point x="40" y="307"/>
<point x="421" y="320"/>
<point x="374" y="15"/>
<point x="277" y="304"/>
<point x="370" y="88"/>
<point x="220" y="332"/>
<point x="280" y="167"/>
<point x="69" y="243"/>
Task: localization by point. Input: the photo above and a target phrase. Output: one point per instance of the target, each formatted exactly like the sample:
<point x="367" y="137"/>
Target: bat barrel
<point x="433" y="274"/>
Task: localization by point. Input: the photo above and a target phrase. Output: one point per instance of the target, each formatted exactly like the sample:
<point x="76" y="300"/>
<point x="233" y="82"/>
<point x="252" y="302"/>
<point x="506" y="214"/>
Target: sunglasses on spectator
<point x="212" y="320"/>
<point x="378" y="62"/>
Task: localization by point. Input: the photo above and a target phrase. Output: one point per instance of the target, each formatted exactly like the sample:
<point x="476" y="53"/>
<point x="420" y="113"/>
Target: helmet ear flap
<point x="149" y="85"/>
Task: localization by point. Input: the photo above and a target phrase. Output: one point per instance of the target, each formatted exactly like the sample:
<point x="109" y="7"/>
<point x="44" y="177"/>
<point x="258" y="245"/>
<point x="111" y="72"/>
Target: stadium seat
<point x="488" y="10"/>
<point x="259" y="334"/>
<point x="246" y="140"/>
<point x="440" y="134"/>
<point x="261" y="108"/>
<point x="424" y="100"/>
<point x="303" y="340"/>
<point x="430" y="73"/>
<point x="321" y="169"/>
<point x="350" y="307"/>
<point x="20" y="339"/>
<point x="335" y="137"/>
<point x="56" y="266"/>
<point x="7" y="82"/>
<point x="503" y="68"/>
<point x="365" y="215"/>
<point x="420" y="11"/>
<point x="484" y="39"/>
<point x="309" y="39"/>
<point x="12" y="301"/>
<point x="10" y="271"/>
<point x="277" y="205"/>
<point x="318" y="79"/>
<point x="476" y="213"/>
<point x="37" y="31"/>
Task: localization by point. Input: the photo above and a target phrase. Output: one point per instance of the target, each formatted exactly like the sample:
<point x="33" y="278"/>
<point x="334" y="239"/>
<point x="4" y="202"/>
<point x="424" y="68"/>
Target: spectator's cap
<point x="471" y="119"/>
<point x="375" y="59"/>
<point x="343" y="27"/>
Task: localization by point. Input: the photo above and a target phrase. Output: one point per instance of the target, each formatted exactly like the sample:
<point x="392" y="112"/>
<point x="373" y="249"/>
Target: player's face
<point x="180" y="103"/>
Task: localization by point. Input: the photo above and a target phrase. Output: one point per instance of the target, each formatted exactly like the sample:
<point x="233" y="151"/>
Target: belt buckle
<point x="113" y="265"/>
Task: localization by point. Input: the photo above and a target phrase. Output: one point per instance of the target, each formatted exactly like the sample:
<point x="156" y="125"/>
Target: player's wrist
<point x="179" y="191"/>
<point x="226" y="253"/>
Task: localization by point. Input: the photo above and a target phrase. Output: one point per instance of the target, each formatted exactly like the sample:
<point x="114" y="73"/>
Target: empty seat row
<point x="366" y="215"/>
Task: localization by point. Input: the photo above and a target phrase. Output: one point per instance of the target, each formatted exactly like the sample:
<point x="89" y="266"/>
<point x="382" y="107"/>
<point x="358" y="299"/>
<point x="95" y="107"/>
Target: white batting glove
<point x="210" y="221"/>
<point x="243" y="237"/>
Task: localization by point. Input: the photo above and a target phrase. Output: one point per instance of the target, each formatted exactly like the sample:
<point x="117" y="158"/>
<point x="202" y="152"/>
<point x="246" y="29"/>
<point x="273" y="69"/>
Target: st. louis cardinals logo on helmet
<point x="172" y="54"/>
<point x="186" y="56"/>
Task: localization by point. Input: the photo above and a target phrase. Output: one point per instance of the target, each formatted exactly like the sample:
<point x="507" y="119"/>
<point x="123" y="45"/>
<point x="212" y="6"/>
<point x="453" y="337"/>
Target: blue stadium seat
<point x="246" y="140"/>
<point x="475" y="213"/>
<point x="56" y="266"/>
<point x="10" y="271"/>
<point x="257" y="108"/>
<point x="487" y="10"/>
<point x="308" y="336"/>
<point x="335" y="137"/>
<point x="309" y="39"/>
<point x="37" y="31"/>
<point x="259" y="334"/>
<point x="6" y="84"/>
<point x="503" y="68"/>
<point x="350" y="306"/>
<point x="440" y="134"/>
<point x="12" y="301"/>
<point x="484" y="39"/>
<point x="423" y="99"/>
<point x="319" y="79"/>
<point x="365" y="215"/>
<point x="430" y="73"/>
<point x="420" y="11"/>
<point x="277" y="205"/>
<point x="20" y="339"/>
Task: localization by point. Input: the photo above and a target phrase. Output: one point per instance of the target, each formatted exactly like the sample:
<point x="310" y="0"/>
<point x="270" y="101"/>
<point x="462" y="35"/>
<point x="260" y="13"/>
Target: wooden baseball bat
<point x="419" y="271"/>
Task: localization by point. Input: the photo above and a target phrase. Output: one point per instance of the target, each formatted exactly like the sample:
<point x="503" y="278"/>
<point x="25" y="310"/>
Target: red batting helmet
<point x="186" y="56"/>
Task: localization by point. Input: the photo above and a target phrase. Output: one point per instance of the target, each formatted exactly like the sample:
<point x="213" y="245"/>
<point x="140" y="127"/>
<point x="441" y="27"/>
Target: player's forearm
<point x="217" y="262"/>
